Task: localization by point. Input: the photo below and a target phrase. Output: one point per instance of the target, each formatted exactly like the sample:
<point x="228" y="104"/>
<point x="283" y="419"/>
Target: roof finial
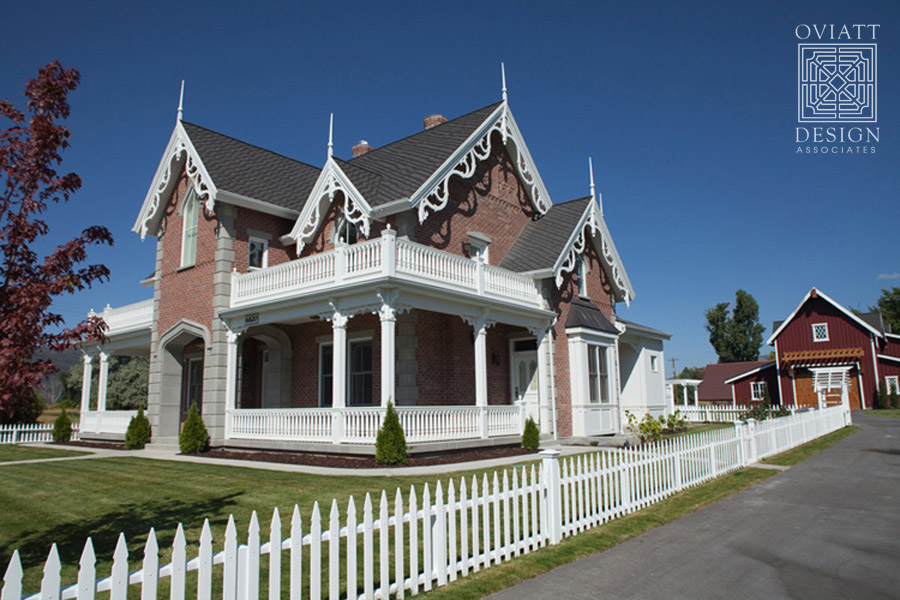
<point x="503" y="77"/>
<point x="181" y="101"/>
<point x="593" y="193"/>
<point x="331" y="136"/>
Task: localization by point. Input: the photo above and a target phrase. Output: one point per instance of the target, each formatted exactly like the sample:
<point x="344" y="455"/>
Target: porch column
<point x="684" y="393"/>
<point x="231" y="358"/>
<point x="86" y="385"/>
<point x="338" y="375"/>
<point x="544" y="408"/>
<point x="480" y="326"/>
<point x="102" y="382"/>
<point x="388" y="315"/>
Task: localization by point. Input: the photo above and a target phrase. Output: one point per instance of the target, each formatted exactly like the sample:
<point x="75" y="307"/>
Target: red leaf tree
<point x="29" y="155"/>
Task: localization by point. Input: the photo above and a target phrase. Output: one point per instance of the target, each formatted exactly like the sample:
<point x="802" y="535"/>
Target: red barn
<point x="826" y="354"/>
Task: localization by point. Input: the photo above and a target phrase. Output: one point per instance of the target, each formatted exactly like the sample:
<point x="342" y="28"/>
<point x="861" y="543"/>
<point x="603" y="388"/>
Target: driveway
<point x="828" y="527"/>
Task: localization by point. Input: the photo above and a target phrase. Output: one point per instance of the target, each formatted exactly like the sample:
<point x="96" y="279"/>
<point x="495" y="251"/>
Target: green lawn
<point x="801" y="453"/>
<point x="12" y="452"/>
<point x="894" y="413"/>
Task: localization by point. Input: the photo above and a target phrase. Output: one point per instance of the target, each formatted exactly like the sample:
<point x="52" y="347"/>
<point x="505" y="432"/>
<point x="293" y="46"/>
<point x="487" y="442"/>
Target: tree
<point x="736" y="335"/>
<point x="29" y="154"/>
<point x="889" y="305"/>
<point x="126" y="387"/>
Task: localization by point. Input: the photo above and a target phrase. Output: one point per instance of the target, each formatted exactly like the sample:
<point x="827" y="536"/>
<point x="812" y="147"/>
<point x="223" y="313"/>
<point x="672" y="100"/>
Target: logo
<point x="837" y="83"/>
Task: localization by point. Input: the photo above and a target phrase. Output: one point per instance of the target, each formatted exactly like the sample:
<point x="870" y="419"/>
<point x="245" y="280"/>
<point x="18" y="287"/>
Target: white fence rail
<point x="429" y="540"/>
<point x="714" y="414"/>
<point x="106" y="421"/>
<point x="31" y="433"/>
<point x="360" y="425"/>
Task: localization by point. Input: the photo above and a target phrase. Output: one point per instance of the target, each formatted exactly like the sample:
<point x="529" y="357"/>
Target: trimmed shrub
<point x="531" y="437"/>
<point x="62" y="428"/>
<point x="895" y="401"/>
<point x="390" y="445"/>
<point x="194" y="437"/>
<point x="138" y="433"/>
<point x="879" y="400"/>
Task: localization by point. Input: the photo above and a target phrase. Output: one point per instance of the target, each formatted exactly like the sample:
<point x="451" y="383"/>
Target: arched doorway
<point x="264" y="369"/>
<point x="183" y="360"/>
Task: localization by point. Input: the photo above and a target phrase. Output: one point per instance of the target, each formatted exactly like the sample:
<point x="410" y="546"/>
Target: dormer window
<point x="190" y="214"/>
<point x="820" y="332"/>
<point x="257" y="253"/>
<point x="478" y="246"/>
<point x="346" y="231"/>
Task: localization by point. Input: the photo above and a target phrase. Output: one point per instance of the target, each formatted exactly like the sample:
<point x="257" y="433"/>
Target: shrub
<point x="895" y="401"/>
<point x="194" y="437"/>
<point x="675" y="422"/>
<point x="648" y="428"/>
<point x="531" y="437"/>
<point x="138" y="433"/>
<point x="62" y="428"/>
<point x="390" y="445"/>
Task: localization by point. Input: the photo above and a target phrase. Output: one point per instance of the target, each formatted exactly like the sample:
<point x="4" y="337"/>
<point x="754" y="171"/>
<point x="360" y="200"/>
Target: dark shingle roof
<point x="399" y="169"/>
<point x="713" y="386"/>
<point x="541" y="242"/>
<point x="638" y="327"/>
<point x="248" y="170"/>
<point x="874" y="320"/>
<point x="585" y="314"/>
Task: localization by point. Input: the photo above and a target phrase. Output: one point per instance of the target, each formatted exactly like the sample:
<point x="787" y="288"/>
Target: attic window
<point x="478" y="246"/>
<point x="190" y="216"/>
<point x="820" y="332"/>
<point x="582" y="276"/>
<point x="346" y="231"/>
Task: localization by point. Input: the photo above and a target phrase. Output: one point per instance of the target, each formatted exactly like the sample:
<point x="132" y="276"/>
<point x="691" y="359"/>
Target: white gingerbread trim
<point x="180" y="154"/>
<point x="593" y="224"/>
<point x="331" y="180"/>
<point x="433" y="195"/>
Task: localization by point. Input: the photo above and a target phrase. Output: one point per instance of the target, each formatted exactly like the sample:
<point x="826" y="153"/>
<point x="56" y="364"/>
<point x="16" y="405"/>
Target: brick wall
<point x="275" y="226"/>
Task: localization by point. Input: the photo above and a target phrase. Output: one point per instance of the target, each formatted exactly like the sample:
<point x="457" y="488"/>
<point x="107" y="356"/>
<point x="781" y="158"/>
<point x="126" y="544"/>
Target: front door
<point x="525" y="382"/>
<point x="192" y="390"/>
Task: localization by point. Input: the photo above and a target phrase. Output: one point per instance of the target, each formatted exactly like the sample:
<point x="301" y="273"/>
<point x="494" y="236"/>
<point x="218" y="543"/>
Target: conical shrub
<point x="390" y="445"/>
<point x="138" y="433"/>
<point x="194" y="437"/>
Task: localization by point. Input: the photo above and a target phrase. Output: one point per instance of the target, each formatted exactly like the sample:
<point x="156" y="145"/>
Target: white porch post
<point x="481" y="391"/>
<point x="388" y="315"/>
<point x="86" y="385"/>
<point x="684" y="393"/>
<point x="102" y="382"/>
<point x="544" y="407"/>
<point x="338" y="375"/>
<point x="231" y="379"/>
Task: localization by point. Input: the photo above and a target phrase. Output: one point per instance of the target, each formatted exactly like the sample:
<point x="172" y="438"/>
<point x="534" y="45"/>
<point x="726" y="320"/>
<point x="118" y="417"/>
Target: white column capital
<point x="104" y="357"/>
<point x="87" y="358"/>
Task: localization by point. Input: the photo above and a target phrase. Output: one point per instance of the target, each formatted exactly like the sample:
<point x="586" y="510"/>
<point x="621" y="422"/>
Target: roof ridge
<point x="412" y="135"/>
<point x="225" y="135"/>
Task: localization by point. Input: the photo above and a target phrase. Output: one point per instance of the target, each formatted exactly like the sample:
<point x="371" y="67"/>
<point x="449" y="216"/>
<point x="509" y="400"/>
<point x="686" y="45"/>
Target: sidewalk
<point x="828" y="527"/>
<point x="173" y="455"/>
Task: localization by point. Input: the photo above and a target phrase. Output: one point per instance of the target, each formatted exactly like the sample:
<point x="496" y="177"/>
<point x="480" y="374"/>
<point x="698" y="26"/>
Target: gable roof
<point x="542" y="241"/>
<point x="752" y="371"/>
<point x="637" y="328"/>
<point x="814" y="293"/>
<point x="713" y="386"/>
<point x="399" y="169"/>
<point x="251" y="171"/>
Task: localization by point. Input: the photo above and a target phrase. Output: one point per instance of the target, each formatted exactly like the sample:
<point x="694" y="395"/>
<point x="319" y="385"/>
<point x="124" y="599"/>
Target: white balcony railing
<point x="380" y="258"/>
<point x="129" y="317"/>
<point x="359" y="425"/>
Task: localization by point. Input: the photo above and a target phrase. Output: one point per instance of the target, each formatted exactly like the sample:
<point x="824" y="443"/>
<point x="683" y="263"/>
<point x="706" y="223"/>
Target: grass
<point x="11" y="452"/>
<point x="49" y="415"/>
<point x="893" y="413"/>
<point x="801" y="453"/>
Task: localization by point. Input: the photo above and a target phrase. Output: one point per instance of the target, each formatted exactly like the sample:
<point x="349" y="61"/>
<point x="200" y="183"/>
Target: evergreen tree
<point x="390" y="445"/>
<point x="735" y="335"/>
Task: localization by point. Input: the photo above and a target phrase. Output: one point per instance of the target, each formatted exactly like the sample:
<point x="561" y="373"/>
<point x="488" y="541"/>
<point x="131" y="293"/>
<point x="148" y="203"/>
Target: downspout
<point x="778" y="375"/>
<point x="553" y="383"/>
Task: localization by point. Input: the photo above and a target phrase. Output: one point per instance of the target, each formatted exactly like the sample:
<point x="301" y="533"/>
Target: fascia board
<point x="257" y="205"/>
<point x="888" y="357"/>
<point x="571" y="241"/>
<point x="331" y="169"/>
<point x="750" y="372"/>
<point x="164" y="163"/>
<point x="449" y="164"/>
<point x="612" y="246"/>
<point x="523" y="148"/>
<point x="583" y="332"/>
<point x="828" y="299"/>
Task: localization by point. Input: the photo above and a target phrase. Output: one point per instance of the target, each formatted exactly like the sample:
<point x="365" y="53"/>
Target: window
<point x="360" y="373"/>
<point x="654" y="363"/>
<point x="582" y="276"/>
<point x="326" y="369"/>
<point x="193" y="384"/>
<point x="820" y="332"/>
<point x="758" y="390"/>
<point x="257" y="253"/>
<point x="598" y="379"/>
<point x="891" y="384"/>
<point x="191" y="215"/>
<point x="346" y="231"/>
<point x="478" y="246"/>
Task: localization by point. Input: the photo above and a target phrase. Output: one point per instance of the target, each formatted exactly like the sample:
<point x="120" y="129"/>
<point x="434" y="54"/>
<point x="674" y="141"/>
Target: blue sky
<point x="689" y="113"/>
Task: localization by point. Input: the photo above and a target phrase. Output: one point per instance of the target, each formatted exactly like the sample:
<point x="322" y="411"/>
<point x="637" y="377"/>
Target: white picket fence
<point x="31" y="433"/>
<point x="430" y="540"/>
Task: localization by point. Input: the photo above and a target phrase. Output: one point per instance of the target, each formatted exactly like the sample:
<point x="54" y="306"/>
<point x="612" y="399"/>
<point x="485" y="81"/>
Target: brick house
<point x="293" y="302"/>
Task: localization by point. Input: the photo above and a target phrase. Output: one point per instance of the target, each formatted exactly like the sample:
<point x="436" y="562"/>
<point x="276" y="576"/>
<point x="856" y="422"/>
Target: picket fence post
<point x="550" y="490"/>
<point x="751" y="434"/>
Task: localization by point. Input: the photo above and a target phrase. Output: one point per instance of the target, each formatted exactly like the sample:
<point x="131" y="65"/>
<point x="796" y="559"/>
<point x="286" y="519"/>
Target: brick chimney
<point x="434" y="121"/>
<point x="361" y="148"/>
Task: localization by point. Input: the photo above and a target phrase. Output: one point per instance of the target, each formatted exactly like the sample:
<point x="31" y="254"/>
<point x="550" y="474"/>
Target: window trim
<point x="582" y="271"/>
<point x="365" y="335"/>
<point x="264" y="263"/>
<point x="190" y="211"/>
<point x="654" y="363"/>
<point x="340" y="222"/>
<point x="815" y="337"/>
<point x="755" y="388"/>
<point x="891" y="382"/>
<point x="603" y="391"/>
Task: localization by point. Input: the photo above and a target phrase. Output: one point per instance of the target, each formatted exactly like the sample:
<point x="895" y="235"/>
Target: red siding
<point x="742" y="391"/>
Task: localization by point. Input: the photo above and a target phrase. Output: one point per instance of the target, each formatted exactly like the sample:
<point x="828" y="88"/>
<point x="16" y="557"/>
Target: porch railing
<point x="106" y="421"/>
<point x="379" y="258"/>
<point x="358" y="425"/>
<point x="131" y="316"/>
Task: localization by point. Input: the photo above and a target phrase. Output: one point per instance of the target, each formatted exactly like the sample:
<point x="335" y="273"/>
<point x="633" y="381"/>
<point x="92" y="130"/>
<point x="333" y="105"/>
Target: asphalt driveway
<point x="828" y="527"/>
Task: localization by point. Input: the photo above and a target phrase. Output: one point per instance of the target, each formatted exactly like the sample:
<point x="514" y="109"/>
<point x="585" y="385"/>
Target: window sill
<point x="185" y="268"/>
